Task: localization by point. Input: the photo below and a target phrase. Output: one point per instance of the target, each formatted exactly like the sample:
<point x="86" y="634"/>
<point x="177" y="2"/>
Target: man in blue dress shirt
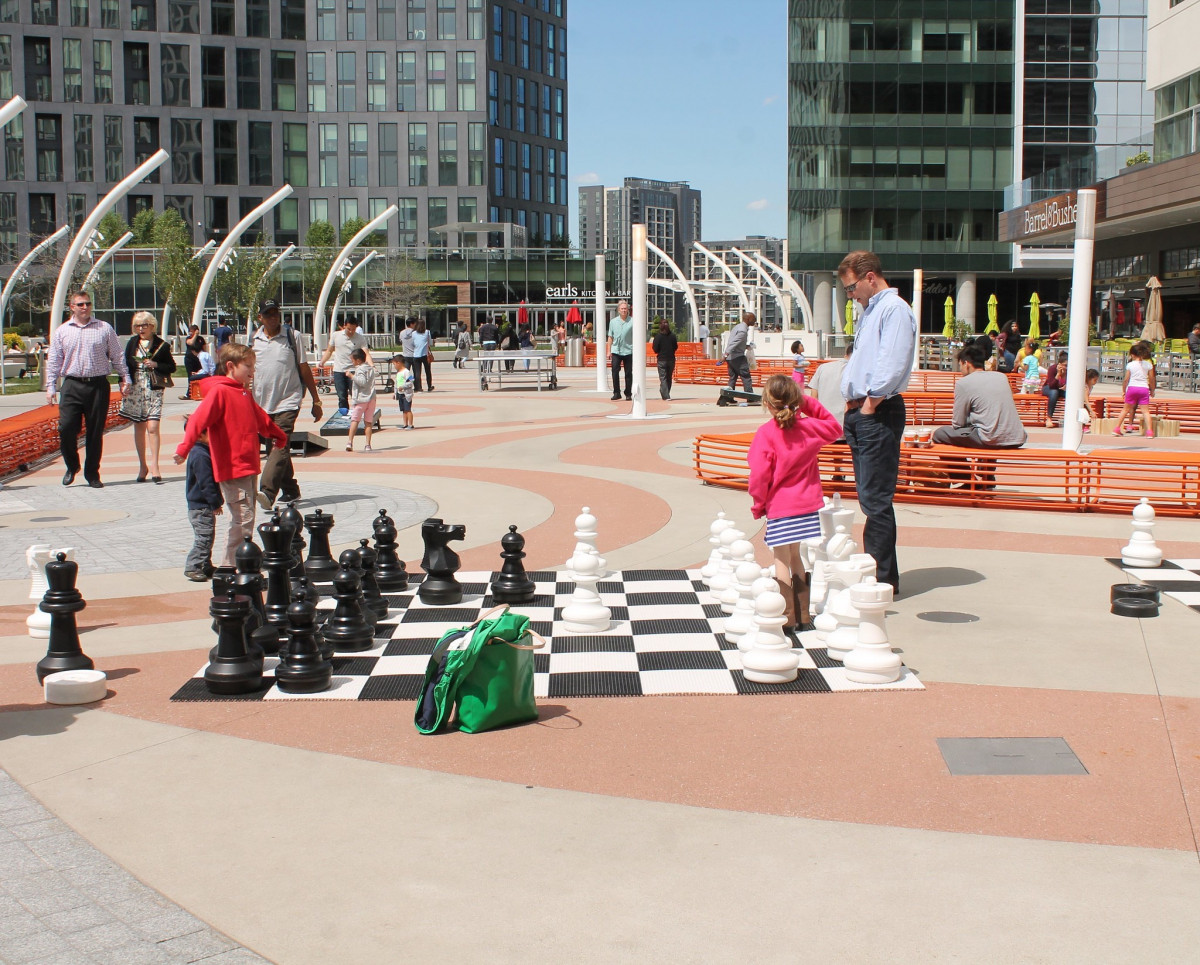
<point x="874" y="377"/>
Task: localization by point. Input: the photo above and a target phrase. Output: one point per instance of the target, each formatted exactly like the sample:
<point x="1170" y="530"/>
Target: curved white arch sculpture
<point x="200" y="253"/>
<point x="688" y="295"/>
<point x="104" y="258"/>
<point x="11" y="109"/>
<point x="19" y="271"/>
<point x="793" y="288"/>
<point x="320" y="339"/>
<point x="337" y="304"/>
<point x="762" y="273"/>
<point x="743" y="298"/>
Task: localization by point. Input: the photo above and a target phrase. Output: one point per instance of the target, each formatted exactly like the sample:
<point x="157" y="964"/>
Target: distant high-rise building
<point x="454" y="110"/>
<point x="670" y="210"/>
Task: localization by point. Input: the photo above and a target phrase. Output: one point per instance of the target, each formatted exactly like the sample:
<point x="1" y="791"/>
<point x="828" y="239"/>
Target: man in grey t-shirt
<point x="985" y="416"/>
<point x="344" y="341"/>
<point x="281" y="377"/>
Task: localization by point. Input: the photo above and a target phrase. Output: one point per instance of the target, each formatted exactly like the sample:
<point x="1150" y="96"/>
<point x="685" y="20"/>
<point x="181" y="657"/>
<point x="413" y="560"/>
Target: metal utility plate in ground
<point x="966" y="756"/>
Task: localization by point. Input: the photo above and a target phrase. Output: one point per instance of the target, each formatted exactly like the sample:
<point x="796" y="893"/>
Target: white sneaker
<point x="743" y="403"/>
<point x="265" y="501"/>
<point x="367" y="449"/>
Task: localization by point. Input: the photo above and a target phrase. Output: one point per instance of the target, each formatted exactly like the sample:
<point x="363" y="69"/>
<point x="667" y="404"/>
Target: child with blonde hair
<point x="785" y="482"/>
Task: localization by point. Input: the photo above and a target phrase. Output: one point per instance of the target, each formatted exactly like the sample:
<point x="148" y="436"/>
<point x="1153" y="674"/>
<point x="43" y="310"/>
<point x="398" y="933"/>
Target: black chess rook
<point x="233" y="669"/>
<point x="511" y="584"/>
<point x="440" y="563"/>
<point x="320" y="564"/>
<point x="390" y="572"/>
<point x="62" y="601"/>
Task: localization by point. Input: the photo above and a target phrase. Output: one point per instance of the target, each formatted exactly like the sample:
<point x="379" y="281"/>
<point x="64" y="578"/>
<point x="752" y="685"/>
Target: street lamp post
<point x="638" y="254"/>
<point x="600" y="328"/>
<point x="1081" y="307"/>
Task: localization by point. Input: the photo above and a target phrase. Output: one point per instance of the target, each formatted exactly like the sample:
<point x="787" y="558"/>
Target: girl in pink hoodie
<point x="785" y="482"/>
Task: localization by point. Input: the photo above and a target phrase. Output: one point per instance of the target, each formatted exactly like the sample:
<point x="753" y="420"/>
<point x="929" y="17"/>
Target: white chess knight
<point x="836" y="577"/>
<point x="872" y="661"/>
<point x="1142" y="551"/>
<point x="36" y="558"/>
<point x="719" y="525"/>
<point x="770" y="659"/>
<point x="586" y="536"/>
<point x="586" y="613"/>
<point x="839" y="548"/>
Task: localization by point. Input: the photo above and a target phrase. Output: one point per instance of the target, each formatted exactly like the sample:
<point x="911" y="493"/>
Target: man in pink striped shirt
<point x="84" y="351"/>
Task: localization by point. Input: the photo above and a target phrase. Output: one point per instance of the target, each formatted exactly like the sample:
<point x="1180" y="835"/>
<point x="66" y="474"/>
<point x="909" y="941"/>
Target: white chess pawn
<point x="872" y="660"/>
<point x="1142" y="551"/>
<point x="586" y="613"/>
<point x="720" y="581"/>
<point x="36" y="558"/>
<point x="764" y="584"/>
<point x="741" y="551"/>
<point x="719" y="525"/>
<point x="844" y="637"/>
<point x="772" y="659"/>
<point x="586" y="536"/>
<point x="741" y="615"/>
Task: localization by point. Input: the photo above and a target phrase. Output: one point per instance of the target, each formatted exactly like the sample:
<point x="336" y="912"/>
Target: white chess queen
<point x="785" y="482"/>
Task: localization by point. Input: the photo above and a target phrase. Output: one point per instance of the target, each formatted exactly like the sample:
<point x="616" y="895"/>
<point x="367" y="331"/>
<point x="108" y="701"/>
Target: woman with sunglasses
<point x="151" y="366"/>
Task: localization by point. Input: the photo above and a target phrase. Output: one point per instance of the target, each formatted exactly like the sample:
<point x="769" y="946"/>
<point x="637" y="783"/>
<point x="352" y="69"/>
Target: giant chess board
<point x="665" y="638"/>
<point x="1178" y="579"/>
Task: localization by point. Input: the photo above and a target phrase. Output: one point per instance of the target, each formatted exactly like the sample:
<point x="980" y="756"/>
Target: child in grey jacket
<point x="362" y="398"/>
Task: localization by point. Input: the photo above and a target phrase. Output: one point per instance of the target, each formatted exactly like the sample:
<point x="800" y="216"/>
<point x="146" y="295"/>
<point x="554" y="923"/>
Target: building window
<point x="212" y="76"/>
<point x="14" y="149"/>
<point x="85" y="158"/>
<point x="407" y="219"/>
<point x="475" y="153"/>
<point x="550" y="49"/>
<point x="327" y="156"/>
<point x="183" y="16"/>
<point x="249" y="85"/>
<point x="10" y="13"/>
<point x="318" y="210"/>
<point x="445" y="20"/>
<point x="376" y="80"/>
<point x="416" y="19"/>
<point x="493" y="98"/>
<point x="42" y="217"/>
<point x="347" y="99"/>
<point x="437" y="216"/>
<point x="468" y="210"/>
<point x="435" y="80"/>
<point x="358" y="155"/>
<point x="525" y="41"/>
<point x="466" y="80"/>
<point x="143" y="14"/>
<point x="45" y="13"/>
<point x="187" y="152"/>
<point x="137" y="74"/>
<point x="260" y="153"/>
<point x="406" y="81"/>
<point x="498" y="167"/>
<point x="145" y="142"/>
<point x="326" y="20"/>
<point x="283" y="80"/>
<point x="176" y="75"/>
<point x="184" y="206"/>
<point x="521" y="105"/>
<point x="114" y="149"/>
<point x="497" y="32"/>
<point x="448" y="154"/>
<point x="418" y="155"/>
<point x="6" y="75"/>
<point x="72" y="62"/>
<point x="110" y="14"/>
<point x="222" y="17"/>
<point x="48" y="132"/>
<point x="385" y="19"/>
<point x="216" y="216"/>
<point x="245" y="206"/>
<point x="389" y="155"/>
<point x="79" y="13"/>
<point x="102" y="71"/>
<point x="356" y="19"/>
<point x="291" y="20"/>
<point x="77" y="209"/>
<point x="287" y="222"/>
<point x="316" y="82"/>
<point x="225" y="152"/>
<point x="347" y="210"/>
<point x="258" y="18"/>
<point x="295" y="155"/>
<point x="474" y="19"/>
<point x="37" y="69"/>
<point x="8" y="226"/>
<point x="546" y="92"/>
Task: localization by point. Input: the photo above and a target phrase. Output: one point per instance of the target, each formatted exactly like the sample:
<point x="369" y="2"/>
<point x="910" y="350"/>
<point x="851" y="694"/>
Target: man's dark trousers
<point x="874" y="442"/>
<point x="278" y="475"/>
<point x="666" y="370"/>
<point x="739" y="367"/>
<point x="619" y="362"/>
<point x="86" y="401"/>
<point x="341" y="385"/>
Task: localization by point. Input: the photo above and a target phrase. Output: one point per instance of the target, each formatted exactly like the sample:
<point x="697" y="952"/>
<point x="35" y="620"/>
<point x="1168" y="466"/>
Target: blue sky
<point x="683" y="90"/>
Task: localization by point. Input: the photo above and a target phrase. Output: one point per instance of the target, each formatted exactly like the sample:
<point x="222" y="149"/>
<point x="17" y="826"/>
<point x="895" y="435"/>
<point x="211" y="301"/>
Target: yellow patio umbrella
<point x="1035" y="316"/>
<point x="849" y="329"/>
<point x="948" y="331"/>
<point x="993" y="311"/>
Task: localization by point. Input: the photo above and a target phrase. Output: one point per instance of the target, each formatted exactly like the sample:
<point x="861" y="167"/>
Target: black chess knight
<point x="440" y="563"/>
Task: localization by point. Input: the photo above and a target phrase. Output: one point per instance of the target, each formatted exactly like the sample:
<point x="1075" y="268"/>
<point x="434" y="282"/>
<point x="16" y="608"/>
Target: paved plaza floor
<point x="857" y="827"/>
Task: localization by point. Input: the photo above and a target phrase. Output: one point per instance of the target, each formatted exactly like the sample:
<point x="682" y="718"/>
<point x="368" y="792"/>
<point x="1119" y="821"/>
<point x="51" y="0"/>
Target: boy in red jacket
<point x="234" y="421"/>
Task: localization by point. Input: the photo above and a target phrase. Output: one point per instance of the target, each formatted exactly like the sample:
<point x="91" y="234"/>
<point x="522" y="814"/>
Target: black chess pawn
<point x="277" y="561"/>
<point x="375" y="599"/>
<point x="320" y="564"/>
<point x="233" y="669"/>
<point x="304" y="591"/>
<point x="511" y="584"/>
<point x="352" y="560"/>
<point x="390" y="573"/>
<point x="62" y="601"/>
<point x="440" y="563"/>
<point x="261" y="637"/>
<point x="347" y="631"/>
<point x="291" y="517"/>
<point x="304" y="669"/>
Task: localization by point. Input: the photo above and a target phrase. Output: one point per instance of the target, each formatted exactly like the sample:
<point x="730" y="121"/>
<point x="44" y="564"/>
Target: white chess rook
<point x="36" y="558"/>
<point x="771" y="660"/>
<point x="1142" y="551"/>
<point x="586" y="613"/>
<point x="872" y="661"/>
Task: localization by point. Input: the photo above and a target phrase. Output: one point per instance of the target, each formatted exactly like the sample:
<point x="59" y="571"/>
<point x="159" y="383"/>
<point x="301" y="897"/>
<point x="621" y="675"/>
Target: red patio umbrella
<point x="522" y="313"/>
<point x="573" y="316"/>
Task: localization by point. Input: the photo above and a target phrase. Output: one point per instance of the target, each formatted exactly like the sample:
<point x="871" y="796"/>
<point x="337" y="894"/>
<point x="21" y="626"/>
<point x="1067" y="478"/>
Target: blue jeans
<point x="874" y="442"/>
<point x="341" y="385"/>
<point x="1052" y="397"/>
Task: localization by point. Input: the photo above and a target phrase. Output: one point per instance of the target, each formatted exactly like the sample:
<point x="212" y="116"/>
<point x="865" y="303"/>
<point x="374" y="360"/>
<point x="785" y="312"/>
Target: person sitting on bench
<point x="985" y="416"/>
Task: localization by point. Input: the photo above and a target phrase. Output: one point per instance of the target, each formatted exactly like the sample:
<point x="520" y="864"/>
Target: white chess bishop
<point x="586" y="536"/>
<point x="36" y="558"/>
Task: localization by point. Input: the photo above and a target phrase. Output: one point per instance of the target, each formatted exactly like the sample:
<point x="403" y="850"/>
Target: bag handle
<point x="541" y="641"/>
<point x="497" y="610"/>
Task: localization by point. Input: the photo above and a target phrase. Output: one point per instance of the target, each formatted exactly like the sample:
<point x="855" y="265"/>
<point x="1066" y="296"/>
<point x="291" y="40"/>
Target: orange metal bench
<point x="29" y="436"/>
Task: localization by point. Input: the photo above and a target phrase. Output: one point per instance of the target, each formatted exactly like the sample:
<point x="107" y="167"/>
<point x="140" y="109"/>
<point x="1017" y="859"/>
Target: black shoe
<point x="95" y="484"/>
<point x="629" y="398"/>
<point x="616" y="398"/>
<point x="290" y="494"/>
<point x="69" y="477"/>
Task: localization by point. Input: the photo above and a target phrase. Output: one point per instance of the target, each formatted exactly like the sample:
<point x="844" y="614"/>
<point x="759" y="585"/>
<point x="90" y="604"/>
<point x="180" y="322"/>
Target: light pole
<point x="600" y="328"/>
<point x="122" y="188"/>
<point x="918" y="290"/>
<point x="638" y="254"/>
<point x="17" y="275"/>
<point x="1081" y="310"/>
<point x="320" y="339"/>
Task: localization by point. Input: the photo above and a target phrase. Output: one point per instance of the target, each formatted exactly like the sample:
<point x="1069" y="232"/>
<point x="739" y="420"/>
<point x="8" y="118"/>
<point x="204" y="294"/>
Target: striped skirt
<point x="792" y="529"/>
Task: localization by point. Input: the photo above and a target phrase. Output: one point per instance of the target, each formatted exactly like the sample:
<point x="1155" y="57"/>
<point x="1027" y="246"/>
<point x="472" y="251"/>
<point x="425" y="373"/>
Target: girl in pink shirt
<point x="785" y="482"/>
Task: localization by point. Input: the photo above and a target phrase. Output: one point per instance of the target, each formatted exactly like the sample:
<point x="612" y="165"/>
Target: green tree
<point x="404" y="289"/>
<point x="317" y="258"/>
<point x="244" y="282"/>
<point x="143" y="229"/>
<point x="177" y="273"/>
<point x="112" y="226"/>
<point x="352" y="226"/>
